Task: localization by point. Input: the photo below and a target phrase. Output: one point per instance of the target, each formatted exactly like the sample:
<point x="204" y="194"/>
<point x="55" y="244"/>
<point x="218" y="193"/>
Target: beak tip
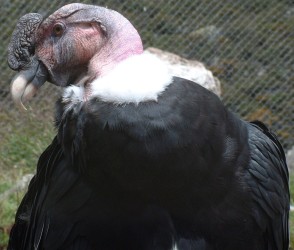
<point x="17" y="89"/>
<point x="21" y="106"/>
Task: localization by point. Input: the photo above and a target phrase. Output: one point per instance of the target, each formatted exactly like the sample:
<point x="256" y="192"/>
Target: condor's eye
<point x="58" y="29"/>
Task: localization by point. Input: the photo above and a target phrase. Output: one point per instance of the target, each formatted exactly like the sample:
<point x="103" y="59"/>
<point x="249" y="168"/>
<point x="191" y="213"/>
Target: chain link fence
<point x="248" y="45"/>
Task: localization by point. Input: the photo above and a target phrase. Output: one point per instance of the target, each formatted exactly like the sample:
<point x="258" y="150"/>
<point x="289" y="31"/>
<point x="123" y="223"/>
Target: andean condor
<point x="141" y="160"/>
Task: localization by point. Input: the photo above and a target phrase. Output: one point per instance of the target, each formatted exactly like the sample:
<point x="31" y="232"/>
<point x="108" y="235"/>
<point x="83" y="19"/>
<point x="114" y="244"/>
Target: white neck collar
<point x="137" y="79"/>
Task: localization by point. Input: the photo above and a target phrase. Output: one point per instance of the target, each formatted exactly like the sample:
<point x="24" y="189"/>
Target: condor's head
<point x="75" y="44"/>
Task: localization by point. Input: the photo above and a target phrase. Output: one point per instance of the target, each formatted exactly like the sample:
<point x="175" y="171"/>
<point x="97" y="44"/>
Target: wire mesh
<point x="248" y="45"/>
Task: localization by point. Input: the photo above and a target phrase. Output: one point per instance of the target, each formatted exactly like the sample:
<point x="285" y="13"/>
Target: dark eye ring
<point x="58" y="29"/>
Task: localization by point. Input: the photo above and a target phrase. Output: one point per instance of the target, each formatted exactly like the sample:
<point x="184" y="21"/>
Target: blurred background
<point x="248" y="45"/>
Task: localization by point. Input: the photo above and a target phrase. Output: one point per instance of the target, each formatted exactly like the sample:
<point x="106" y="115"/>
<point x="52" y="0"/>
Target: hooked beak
<point x="27" y="82"/>
<point x="32" y="73"/>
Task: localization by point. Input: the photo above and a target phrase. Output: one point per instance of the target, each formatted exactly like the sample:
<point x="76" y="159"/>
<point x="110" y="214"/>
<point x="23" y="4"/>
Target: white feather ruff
<point x="139" y="78"/>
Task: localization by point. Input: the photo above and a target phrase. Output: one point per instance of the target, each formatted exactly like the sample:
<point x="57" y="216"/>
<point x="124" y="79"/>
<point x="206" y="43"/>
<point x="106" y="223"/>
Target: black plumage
<point x="176" y="172"/>
<point x="120" y="177"/>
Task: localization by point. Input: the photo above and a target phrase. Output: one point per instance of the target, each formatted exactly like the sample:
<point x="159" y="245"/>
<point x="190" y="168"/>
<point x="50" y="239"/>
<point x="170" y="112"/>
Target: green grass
<point x="292" y="229"/>
<point x="26" y="136"/>
<point x="8" y="208"/>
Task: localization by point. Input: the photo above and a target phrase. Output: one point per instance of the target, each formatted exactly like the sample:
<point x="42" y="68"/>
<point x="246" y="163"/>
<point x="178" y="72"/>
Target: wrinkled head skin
<point x="74" y="45"/>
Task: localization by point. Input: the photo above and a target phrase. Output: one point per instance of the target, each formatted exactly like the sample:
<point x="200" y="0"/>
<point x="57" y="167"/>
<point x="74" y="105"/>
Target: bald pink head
<point x="77" y="41"/>
<point x="91" y="35"/>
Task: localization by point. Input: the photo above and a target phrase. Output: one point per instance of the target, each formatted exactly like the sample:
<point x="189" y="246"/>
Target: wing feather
<point x="268" y="179"/>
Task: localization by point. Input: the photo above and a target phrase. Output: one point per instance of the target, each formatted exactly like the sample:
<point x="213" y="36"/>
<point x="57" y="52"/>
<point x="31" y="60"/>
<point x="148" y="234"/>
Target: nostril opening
<point x="31" y="50"/>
